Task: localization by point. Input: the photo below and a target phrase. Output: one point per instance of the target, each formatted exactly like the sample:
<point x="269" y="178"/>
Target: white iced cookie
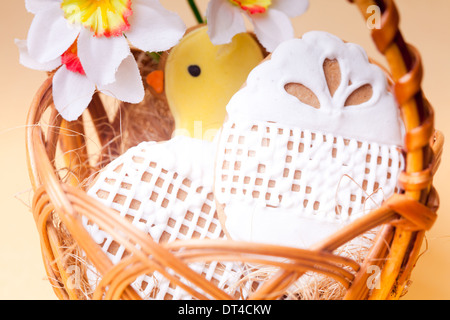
<point x="312" y="142"/>
<point x="164" y="189"/>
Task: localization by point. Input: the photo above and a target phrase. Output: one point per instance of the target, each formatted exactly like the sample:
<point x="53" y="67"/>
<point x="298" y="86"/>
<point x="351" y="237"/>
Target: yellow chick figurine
<point x="200" y="78"/>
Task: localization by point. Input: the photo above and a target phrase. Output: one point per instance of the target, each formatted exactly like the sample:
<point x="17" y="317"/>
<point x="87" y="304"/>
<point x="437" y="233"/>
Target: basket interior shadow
<point x="63" y="158"/>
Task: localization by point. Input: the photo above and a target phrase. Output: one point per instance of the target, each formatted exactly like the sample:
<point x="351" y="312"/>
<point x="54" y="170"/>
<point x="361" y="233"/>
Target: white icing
<point x="300" y="61"/>
<point x="257" y="224"/>
<point x="181" y="165"/>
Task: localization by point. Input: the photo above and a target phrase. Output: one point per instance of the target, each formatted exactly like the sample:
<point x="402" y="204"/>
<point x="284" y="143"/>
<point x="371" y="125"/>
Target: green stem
<point x="195" y="10"/>
<point x="155" y="56"/>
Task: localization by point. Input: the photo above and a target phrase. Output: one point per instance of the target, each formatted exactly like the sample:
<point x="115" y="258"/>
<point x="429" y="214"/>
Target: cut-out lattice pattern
<point x="310" y="174"/>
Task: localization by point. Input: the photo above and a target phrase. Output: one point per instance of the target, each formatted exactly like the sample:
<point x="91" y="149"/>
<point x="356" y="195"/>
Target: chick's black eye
<point x="194" y="70"/>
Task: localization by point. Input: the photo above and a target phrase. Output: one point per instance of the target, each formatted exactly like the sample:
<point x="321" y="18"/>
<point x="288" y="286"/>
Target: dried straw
<point x="150" y="120"/>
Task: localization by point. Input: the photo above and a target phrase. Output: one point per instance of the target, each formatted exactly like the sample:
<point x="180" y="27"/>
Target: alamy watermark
<point x="74" y="279"/>
<point x="373" y="281"/>
<point x="374" y="20"/>
<point x="198" y="132"/>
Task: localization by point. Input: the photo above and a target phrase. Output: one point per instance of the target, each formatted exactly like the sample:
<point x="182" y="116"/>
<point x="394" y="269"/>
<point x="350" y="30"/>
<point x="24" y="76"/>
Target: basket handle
<point x="406" y="69"/>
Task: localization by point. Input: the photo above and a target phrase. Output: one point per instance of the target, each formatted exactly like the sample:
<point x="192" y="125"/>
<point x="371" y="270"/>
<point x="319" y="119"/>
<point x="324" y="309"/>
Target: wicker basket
<point x="60" y="201"/>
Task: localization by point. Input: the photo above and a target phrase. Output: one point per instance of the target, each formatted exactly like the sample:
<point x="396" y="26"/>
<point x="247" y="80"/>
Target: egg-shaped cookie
<point x="312" y="141"/>
<point x="165" y="190"/>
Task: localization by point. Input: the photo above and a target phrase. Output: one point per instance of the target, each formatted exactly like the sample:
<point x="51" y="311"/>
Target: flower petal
<point x="272" y="28"/>
<point x="34" y="6"/>
<point x="72" y="93"/>
<point x="128" y="86"/>
<point x="292" y="8"/>
<point x="31" y="63"/>
<point x="154" y="28"/>
<point x="224" y="21"/>
<point x="50" y="35"/>
<point x="101" y="56"/>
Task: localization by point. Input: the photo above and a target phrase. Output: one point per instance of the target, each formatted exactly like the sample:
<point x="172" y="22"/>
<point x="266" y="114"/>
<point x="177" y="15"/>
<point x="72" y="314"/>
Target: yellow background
<point x="425" y="24"/>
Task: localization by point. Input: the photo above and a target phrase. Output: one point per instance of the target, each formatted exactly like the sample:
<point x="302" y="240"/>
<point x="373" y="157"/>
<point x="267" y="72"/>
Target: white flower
<point x="73" y="90"/>
<point x="270" y="19"/>
<point x="101" y="31"/>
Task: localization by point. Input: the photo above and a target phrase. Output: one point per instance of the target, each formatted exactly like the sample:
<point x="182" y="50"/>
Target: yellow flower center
<point x="103" y="17"/>
<point x="252" y="6"/>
